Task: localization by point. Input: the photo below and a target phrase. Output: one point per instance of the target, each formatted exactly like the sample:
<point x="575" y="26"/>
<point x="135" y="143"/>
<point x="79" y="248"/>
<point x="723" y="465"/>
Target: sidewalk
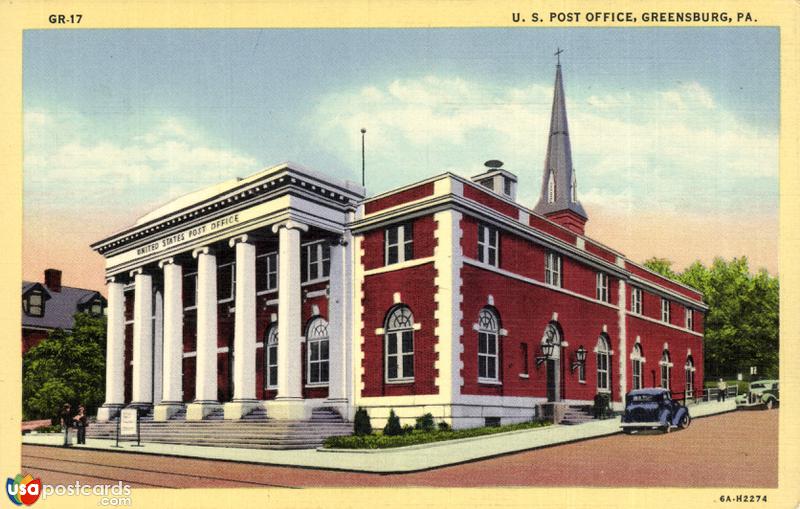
<point x="405" y="459"/>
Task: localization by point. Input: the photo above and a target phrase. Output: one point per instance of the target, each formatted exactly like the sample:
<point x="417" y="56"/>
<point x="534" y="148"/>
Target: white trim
<point x="400" y="266"/>
<point x="474" y="263"/>
<point x="490" y="381"/>
<point x="186" y="355"/>
<point x="671" y="326"/>
<point x="316" y="293"/>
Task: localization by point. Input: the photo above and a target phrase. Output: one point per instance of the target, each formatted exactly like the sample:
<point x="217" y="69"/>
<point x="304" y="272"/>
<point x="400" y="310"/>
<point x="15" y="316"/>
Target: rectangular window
<point x="190" y="290"/>
<point x="400" y="356"/>
<point x="665" y="310"/>
<point x="582" y="372"/>
<point x="552" y="269"/>
<point x="318" y="361"/>
<point x="523" y="353"/>
<point x="636" y="366"/>
<point x="665" y="374"/>
<point x="602" y="370"/>
<point x="689" y="319"/>
<point x="487" y="357"/>
<point x="34" y="305"/>
<point x="226" y="282"/>
<point x="272" y="366"/>
<point x="636" y="301"/>
<point x="316" y="261"/>
<point x="399" y="243"/>
<point x="507" y="186"/>
<point x="488" y="238"/>
<point x="689" y="383"/>
<point x="267" y="272"/>
<point x="602" y="287"/>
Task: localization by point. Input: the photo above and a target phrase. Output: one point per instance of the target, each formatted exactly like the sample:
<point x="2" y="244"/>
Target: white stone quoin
<point x="115" y="353"/>
<point x="142" y="393"/>
<point x="337" y="308"/>
<point x="288" y="403"/>
<point x="244" y="336"/>
<point x="172" y="379"/>
<point x="206" y="382"/>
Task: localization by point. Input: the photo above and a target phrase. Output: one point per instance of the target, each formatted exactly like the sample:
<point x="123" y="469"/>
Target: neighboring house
<point x="289" y="290"/>
<point x="47" y="306"/>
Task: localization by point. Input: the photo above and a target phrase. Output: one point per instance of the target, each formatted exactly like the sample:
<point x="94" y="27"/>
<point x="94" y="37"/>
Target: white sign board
<point x="128" y="421"/>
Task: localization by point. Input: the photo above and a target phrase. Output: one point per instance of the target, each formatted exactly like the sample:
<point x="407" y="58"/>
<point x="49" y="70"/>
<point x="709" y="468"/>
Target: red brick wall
<point x="424" y="242"/>
<point x="554" y="230"/>
<point x="31" y="338"/>
<point x="392" y="200"/>
<point x="417" y="290"/>
<point x="662" y="281"/>
<point x="602" y="253"/>
<point x="486" y="198"/>
<point x="525" y="320"/>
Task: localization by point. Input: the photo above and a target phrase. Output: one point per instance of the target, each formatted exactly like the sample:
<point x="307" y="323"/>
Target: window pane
<point x="36" y="299"/>
<point x="408" y="253"/>
<point x="314" y="351"/>
<point x="392" y="367"/>
<point x="391" y="255"/>
<point x="492" y="364"/>
<point x="492" y="257"/>
<point x="313" y="271"/>
<point x="314" y="377"/>
<point x="482" y="348"/>
<point x="492" y="343"/>
<point x="408" y="341"/>
<point x="408" y="232"/>
<point x="323" y="371"/>
<point x="323" y="350"/>
<point x="482" y="366"/>
<point x="391" y="235"/>
<point x="391" y="346"/>
<point x="408" y="365"/>
<point x="273" y="376"/>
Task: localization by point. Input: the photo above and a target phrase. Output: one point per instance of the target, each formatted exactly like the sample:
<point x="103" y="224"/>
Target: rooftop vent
<point x="498" y="180"/>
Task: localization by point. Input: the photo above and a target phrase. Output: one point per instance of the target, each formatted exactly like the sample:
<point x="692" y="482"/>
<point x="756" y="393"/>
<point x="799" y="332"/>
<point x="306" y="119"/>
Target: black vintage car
<point x="653" y="409"/>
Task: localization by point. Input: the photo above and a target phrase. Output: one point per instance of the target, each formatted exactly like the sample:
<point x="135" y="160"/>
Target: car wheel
<point x="685" y="421"/>
<point x="770" y="404"/>
<point x="667" y="428"/>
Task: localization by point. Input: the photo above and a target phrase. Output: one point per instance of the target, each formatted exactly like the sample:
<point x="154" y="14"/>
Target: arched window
<point x="317" y="351"/>
<point x="637" y="366"/>
<point x="551" y="188"/>
<point x="603" y="363"/>
<point x="271" y="357"/>
<point x="399" y="345"/>
<point x="488" y="351"/>
<point x="689" y="377"/>
<point x="666" y="369"/>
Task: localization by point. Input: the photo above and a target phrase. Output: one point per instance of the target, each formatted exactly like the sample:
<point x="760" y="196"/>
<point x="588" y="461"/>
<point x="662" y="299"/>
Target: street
<point x="737" y="449"/>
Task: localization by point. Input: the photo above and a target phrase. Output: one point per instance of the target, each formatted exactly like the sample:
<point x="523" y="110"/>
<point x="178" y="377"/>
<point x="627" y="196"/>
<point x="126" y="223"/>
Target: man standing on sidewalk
<point x="66" y="422"/>
<point x="722" y="388"/>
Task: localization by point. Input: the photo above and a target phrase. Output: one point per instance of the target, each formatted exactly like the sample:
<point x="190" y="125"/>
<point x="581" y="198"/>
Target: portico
<point x="208" y="275"/>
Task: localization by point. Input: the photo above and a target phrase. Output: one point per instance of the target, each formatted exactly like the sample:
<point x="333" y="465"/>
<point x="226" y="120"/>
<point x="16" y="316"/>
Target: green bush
<point x="425" y="423"/>
<point x="361" y="423"/>
<point x="56" y="428"/>
<point x="393" y="427"/>
<point x="408" y="429"/>
<point x="386" y="441"/>
<point x="443" y="426"/>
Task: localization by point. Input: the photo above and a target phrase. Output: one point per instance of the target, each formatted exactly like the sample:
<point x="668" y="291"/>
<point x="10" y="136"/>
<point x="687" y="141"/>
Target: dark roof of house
<point x="59" y="307"/>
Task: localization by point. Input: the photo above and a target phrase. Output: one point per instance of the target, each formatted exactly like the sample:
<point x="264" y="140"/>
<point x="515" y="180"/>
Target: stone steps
<point x="577" y="415"/>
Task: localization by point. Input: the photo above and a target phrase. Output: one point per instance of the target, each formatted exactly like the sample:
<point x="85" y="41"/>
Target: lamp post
<point x="547" y="351"/>
<point x="580" y="359"/>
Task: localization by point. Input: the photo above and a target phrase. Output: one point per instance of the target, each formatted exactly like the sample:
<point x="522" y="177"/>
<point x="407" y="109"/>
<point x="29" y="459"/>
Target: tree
<point x="742" y="323"/>
<point x="66" y="367"/>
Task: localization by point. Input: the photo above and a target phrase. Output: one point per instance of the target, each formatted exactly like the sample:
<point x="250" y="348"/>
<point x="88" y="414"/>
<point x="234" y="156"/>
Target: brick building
<point x="289" y="290"/>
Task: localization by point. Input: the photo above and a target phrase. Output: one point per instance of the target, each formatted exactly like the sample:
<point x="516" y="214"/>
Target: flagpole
<point x="363" y="174"/>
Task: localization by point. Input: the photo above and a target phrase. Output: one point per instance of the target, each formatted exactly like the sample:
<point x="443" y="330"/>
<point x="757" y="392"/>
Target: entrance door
<point x="551" y="380"/>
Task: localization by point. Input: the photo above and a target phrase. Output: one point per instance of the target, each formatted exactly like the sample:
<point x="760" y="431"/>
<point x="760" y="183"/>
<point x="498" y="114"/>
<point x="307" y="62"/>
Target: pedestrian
<point x="81" y="422"/>
<point x="722" y="388"/>
<point x="66" y="422"/>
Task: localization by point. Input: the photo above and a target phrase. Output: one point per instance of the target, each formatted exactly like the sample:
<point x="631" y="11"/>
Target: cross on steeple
<point x="558" y="53"/>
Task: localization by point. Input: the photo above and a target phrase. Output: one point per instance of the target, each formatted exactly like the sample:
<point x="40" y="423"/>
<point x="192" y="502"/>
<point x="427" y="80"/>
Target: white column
<point x="288" y="403"/>
<point x="142" y="339"/>
<point x="623" y="346"/>
<point x="158" y="345"/>
<point x="206" y="383"/>
<point x="338" y="308"/>
<point x="115" y="352"/>
<point x="244" y="333"/>
<point x="172" y="365"/>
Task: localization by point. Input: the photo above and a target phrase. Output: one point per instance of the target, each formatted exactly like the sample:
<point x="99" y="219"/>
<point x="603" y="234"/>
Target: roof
<point x="559" y="159"/>
<point x="59" y="307"/>
<point x="652" y="391"/>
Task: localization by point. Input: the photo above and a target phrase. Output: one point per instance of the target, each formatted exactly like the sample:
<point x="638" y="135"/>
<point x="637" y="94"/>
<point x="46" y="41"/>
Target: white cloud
<point x="675" y="147"/>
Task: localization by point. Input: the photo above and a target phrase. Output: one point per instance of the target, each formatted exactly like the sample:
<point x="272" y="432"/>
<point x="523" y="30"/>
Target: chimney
<point x="52" y="279"/>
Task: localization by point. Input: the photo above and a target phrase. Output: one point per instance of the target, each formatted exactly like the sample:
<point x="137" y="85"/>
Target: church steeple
<point x="559" y="198"/>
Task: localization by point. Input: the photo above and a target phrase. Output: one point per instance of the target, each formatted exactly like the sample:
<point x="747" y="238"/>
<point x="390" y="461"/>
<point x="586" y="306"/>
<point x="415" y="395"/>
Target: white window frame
<point x="603" y="357"/>
<point x="322" y="264"/>
<point x="193" y="276"/>
<point x="552" y="268"/>
<point x="399" y="322"/>
<point x="489" y="326"/>
<point x="28" y="305"/>
<point x="488" y="243"/>
<point x="602" y="287"/>
<point x="665" y="310"/>
<point x="317" y="336"/>
<point x="271" y="357"/>
<point x="666" y="369"/>
<point x="689" y="370"/>
<point x="689" y="318"/>
<point x="636" y="301"/>
<point x="404" y="233"/>
<point x="271" y="261"/>
<point x="637" y="367"/>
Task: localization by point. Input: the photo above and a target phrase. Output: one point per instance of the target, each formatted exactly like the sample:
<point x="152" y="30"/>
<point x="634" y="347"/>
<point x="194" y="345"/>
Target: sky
<point x="674" y="130"/>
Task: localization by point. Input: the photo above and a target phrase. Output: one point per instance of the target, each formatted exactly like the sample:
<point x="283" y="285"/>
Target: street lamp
<point x="547" y="351"/>
<point x="580" y="359"/>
